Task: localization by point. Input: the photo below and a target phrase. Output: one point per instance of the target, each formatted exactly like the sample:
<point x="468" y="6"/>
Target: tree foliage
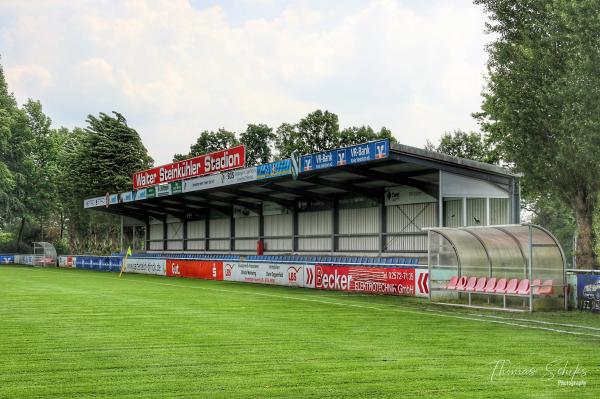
<point x="542" y="101"/>
<point x="209" y="142"/>
<point x="319" y="131"/>
<point x="258" y="140"/>
<point x="470" y="145"/>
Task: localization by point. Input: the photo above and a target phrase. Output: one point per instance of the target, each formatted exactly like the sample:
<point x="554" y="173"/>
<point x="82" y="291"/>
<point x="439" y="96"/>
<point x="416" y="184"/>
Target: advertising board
<point x="274" y="169"/>
<point x="95" y="202"/>
<point x="6" y="259"/>
<point x="208" y="270"/>
<point x="214" y="162"/>
<point x="264" y="273"/>
<point x="219" y="180"/>
<point x="376" y="280"/>
<point x="345" y="156"/>
<point x="66" y="261"/>
<point x="146" y="266"/>
<point x="588" y="292"/>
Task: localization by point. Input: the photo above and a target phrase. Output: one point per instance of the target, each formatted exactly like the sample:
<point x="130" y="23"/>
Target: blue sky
<point x="175" y="68"/>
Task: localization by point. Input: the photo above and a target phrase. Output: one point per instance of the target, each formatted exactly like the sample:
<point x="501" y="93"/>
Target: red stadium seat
<point x="452" y="283"/>
<point x="462" y="282"/>
<point x="523" y="288"/>
<point x="470" y="284"/>
<point x="500" y="286"/>
<point x="511" y="287"/>
<point x="547" y="288"/>
<point x="480" y="284"/>
<point x="490" y="286"/>
<point x="536" y="285"/>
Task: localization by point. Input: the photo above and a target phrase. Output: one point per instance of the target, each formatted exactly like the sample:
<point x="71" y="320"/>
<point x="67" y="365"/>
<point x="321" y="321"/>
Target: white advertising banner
<point x="147" y="266"/>
<point x="66" y="261"/>
<point x="287" y="274"/>
<point x="94" y="202"/>
<point x="401" y="195"/>
<point x="221" y="179"/>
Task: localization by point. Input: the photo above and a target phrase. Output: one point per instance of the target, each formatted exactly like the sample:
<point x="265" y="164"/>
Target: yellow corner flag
<point x="124" y="261"/>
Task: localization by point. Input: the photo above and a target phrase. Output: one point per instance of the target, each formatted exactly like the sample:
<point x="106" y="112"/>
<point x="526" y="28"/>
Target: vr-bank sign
<point x="346" y="156"/>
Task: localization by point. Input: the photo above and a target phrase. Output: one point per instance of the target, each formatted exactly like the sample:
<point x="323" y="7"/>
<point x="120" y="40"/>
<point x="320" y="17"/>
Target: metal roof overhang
<point x="405" y="165"/>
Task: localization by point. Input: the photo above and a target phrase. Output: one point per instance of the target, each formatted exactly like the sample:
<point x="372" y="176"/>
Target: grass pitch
<point x="78" y="333"/>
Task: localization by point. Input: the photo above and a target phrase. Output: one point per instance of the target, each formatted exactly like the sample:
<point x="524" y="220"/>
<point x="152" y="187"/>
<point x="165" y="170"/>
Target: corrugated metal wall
<point x="409" y="218"/>
<point x="278" y="225"/>
<point x="156" y="233"/>
<point x="499" y="213"/>
<point x="219" y="228"/>
<point x="453" y="213"/>
<point x="246" y="227"/>
<point x="175" y="231"/>
<point x="314" y="223"/>
<point x="476" y="212"/>
<point x="196" y="230"/>
<point x="359" y="221"/>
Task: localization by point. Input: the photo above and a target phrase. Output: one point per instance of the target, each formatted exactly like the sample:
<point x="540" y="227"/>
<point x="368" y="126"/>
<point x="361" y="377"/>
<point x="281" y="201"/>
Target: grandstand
<point x="366" y="201"/>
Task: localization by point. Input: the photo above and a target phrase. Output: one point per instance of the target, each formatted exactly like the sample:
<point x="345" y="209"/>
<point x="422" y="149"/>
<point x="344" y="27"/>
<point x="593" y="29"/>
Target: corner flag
<point x="124" y="260"/>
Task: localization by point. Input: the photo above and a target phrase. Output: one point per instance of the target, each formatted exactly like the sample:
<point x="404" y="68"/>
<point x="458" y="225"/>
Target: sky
<point x="174" y="68"/>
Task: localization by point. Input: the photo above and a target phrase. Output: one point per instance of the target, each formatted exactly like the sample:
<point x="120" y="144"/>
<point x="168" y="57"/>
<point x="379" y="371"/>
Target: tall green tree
<point x="317" y="131"/>
<point x="98" y="159"/>
<point x="542" y="101"/>
<point x="209" y="142"/>
<point x="258" y="140"/>
<point x="470" y="145"/>
<point x="16" y="162"/>
<point x="111" y="152"/>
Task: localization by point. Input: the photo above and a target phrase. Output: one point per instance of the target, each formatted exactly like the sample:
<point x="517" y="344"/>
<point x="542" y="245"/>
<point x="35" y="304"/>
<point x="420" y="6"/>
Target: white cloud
<point x="174" y="70"/>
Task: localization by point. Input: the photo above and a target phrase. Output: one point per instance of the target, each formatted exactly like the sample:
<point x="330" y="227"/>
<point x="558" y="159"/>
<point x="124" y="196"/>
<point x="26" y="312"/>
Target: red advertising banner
<point x="214" y="162"/>
<point x="207" y="270"/>
<point x="376" y="280"/>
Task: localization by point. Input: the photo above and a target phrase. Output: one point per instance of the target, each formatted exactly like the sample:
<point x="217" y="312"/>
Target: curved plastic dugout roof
<point x="498" y="251"/>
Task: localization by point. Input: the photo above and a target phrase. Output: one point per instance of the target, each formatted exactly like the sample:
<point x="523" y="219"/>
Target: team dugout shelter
<point x="374" y="199"/>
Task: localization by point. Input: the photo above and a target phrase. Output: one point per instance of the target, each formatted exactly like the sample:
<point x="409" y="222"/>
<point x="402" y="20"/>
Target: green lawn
<point x="78" y="333"/>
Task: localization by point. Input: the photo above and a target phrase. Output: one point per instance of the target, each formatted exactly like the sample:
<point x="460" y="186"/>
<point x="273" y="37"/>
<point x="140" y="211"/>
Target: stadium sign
<point x="146" y="266"/>
<point x="376" y="280"/>
<point x="371" y="151"/>
<point x="291" y="275"/>
<point x="214" y="162"/>
<point x="219" y="180"/>
<point x="274" y="169"/>
<point x="94" y="202"/>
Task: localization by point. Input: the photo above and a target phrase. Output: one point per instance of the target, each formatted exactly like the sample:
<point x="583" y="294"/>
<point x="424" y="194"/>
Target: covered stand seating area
<point x="512" y="267"/>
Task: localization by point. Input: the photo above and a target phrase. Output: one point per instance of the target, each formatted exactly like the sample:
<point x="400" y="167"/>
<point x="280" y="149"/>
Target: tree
<point x="98" y="159"/>
<point x="110" y="154"/>
<point x="258" y="140"/>
<point x="356" y="135"/>
<point x="541" y="102"/>
<point x="317" y="131"/>
<point x="209" y="142"/>
<point x="470" y="145"/>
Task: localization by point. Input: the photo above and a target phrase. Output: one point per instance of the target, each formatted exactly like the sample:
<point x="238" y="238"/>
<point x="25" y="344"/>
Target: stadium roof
<point x="321" y="177"/>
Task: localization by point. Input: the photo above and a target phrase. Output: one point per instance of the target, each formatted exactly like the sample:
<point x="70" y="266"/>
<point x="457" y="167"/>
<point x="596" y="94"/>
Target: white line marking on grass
<point x="394" y="308"/>
<point x="536" y="321"/>
<point x="390" y="308"/>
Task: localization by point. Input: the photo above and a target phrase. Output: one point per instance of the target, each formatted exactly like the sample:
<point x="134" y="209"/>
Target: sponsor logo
<point x="293" y="274"/>
<point x="309" y="276"/>
<point x="228" y="270"/>
<point x="422" y="283"/>
<point x="204" y="164"/>
<point x="333" y="281"/>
